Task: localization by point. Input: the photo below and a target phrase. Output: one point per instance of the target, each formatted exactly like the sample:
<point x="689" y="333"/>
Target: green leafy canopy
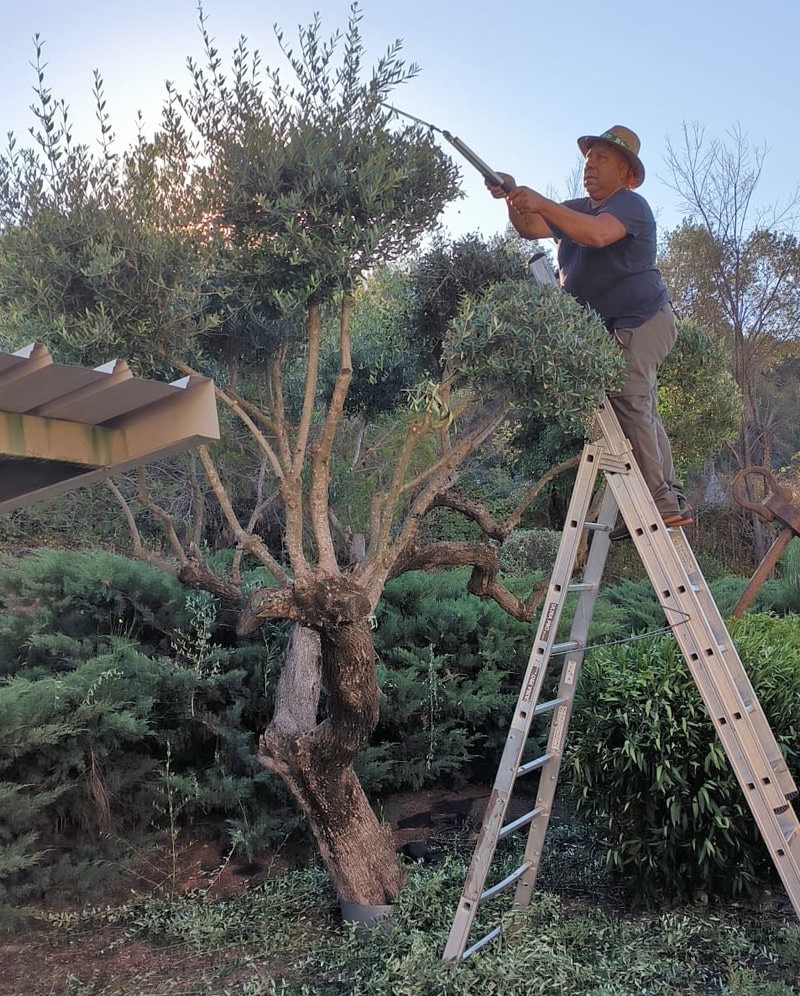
<point x="537" y="346"/>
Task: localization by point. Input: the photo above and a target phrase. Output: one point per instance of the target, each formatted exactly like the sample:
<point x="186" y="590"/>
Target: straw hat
<point x="626" y="141"/>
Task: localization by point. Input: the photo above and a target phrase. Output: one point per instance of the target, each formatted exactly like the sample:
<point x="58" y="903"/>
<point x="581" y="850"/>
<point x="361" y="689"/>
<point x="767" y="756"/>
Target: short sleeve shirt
<point x="620" y="281"/>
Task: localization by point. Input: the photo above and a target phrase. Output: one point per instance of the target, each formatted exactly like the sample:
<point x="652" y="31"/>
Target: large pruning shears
<point x="485" y="170"/>
<point x="777" y="504"/>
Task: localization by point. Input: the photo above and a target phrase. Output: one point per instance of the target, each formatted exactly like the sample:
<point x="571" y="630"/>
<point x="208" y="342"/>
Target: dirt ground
<point x="42" y="960"/>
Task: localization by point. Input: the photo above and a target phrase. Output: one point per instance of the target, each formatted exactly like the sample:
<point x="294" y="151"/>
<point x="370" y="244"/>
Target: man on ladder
<point x="607" y="261"/>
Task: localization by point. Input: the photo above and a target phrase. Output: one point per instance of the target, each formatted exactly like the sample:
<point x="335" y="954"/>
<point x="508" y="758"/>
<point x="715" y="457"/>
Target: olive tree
<point x="236" y="241"/>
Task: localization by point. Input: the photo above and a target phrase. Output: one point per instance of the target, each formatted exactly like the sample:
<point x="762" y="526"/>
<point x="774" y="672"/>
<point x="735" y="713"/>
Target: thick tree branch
<point x="196" y="573"/>
<point x="247" y="540"/>
<point x="515" y="518"/>
<point x="199" y="517"/>
<point x="167" y="523"/>
<point x="321" y="452"/>
<point x="252" y="522"/>
<point x="232" y="402"/>
<point x="310" y="392"/>
<point x="443" y="468"/>
<point x="384" y="502"/>
<point x="275" y="383"/>
<point x="485" y="561"/>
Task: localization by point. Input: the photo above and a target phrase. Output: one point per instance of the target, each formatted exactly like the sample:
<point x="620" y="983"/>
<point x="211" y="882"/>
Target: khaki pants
<point x="636" y="404"/>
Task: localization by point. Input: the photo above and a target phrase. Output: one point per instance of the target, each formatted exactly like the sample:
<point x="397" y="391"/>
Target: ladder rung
<point x="581" y="586"/>
<point x="479" y="944"/>
<point x="548" y="706"/>
<point x="521" y="821"/>
<point x="597" y="526"/>
<point x="504" y="883"/>
<point x="563" y="648"/>
<point x="529" y="766"/>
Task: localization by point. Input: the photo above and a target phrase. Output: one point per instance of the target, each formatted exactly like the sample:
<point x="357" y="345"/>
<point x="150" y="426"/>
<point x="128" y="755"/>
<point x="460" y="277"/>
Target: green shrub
<point x="528" y="550"/>
<point x="450" y="668"/>
<point x="104" y="739"/>
<point x="644" y="762"/>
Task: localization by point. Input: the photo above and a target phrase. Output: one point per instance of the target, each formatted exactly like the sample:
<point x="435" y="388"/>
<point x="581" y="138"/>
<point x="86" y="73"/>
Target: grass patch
<point x="285" y="938"/>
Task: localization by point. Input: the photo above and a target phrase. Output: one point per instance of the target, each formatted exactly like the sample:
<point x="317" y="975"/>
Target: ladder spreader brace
<point x="702" y="636"/>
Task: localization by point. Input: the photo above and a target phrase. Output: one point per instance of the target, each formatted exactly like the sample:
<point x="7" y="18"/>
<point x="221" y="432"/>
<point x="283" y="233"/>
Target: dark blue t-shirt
<point x="621" y="281"/>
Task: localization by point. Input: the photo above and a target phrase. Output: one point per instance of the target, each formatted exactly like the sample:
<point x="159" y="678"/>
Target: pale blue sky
<point x="518" y="82"/>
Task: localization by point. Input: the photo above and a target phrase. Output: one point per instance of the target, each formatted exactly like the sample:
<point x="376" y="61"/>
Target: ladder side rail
<point x="735" y="666"/>
<point x="709" y="668"/>
<point x="775" y="818"/>
<point x="695" y="636"/>
<point x="584" y="611"/>
<point x="618" y="444"/>
<point x="550" y="616"/>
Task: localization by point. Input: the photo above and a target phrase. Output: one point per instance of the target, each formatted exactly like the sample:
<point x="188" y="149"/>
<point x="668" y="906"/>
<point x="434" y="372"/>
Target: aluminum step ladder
<point x="701" y="634"/>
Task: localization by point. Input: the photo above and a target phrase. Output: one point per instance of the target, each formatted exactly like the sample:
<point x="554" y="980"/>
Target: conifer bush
<point x="645" y="764"/>
<point x="125" y="710"/>
<point x="528" y="550"/>
<point x="450" y="666"/>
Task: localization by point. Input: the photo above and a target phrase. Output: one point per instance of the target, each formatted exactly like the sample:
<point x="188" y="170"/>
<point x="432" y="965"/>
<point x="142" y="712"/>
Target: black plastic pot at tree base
<point x="366" y="917"/>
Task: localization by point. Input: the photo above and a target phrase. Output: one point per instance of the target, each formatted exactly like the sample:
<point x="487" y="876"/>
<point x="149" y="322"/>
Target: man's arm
<point x="531" y="214"/>
<point x="529" y="224"/>
<point x="592" y="230"/>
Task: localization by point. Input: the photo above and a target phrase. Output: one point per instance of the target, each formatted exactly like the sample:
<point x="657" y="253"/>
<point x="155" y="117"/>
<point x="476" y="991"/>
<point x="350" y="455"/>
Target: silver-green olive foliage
<point x="311" y="183"/>
<point x="536" y="346"/>
<point x="256" y="199"/>
<point x="699" y="398"/>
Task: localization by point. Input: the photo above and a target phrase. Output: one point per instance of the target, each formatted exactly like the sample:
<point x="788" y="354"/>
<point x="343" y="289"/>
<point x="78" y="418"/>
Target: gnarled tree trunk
<point x="314" y="758"/>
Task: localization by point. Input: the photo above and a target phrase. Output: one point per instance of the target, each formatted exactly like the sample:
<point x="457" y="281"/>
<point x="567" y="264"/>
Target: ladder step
<point x="581" y="586"/>
<point x="519" y="822"/>
<point x="788" y="826"/>
<point x="563" y="648"/>
<point x="480" y="943"/>
<point x="548" y="706"/>
<point x="529" y="766"/>
<point x="503" y="884"/>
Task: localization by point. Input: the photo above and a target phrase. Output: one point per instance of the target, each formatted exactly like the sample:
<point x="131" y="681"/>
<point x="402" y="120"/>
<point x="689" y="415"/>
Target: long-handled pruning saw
<point x="539" y="265"/>
<point x="487" y="172"/>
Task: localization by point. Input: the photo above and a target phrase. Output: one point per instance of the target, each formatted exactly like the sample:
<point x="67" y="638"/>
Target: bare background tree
<point x="734" y="268"/>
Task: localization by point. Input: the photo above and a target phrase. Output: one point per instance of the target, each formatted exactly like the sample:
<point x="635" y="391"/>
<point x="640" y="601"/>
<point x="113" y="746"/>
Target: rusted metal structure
<point x="775" y="506"/>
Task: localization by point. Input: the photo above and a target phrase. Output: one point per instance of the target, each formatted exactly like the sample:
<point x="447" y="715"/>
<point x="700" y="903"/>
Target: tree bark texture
<point x="314" y="758"/>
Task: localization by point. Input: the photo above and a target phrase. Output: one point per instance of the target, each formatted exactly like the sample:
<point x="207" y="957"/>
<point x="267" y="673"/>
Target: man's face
<point x="605" y="170"/>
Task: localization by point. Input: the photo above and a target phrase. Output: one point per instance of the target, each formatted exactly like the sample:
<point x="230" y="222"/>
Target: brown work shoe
<point x="672" y="520"/>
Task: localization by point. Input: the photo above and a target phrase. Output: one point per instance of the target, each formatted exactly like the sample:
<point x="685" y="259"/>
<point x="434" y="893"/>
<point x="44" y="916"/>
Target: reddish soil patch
<point x="45" y="959"/>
